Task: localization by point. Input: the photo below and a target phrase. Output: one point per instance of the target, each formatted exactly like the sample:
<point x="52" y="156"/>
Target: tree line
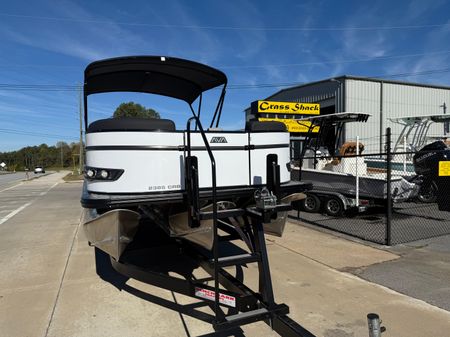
<point x="63" y="154"/>
<point x="59" y="155"/>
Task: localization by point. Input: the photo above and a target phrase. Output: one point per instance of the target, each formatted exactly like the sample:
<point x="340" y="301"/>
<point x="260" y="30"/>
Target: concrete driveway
<point x="49" y="284"/>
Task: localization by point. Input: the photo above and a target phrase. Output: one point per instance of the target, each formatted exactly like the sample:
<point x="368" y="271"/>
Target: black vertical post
<point x="381" y="116"/>
<point x="265" y="280"/>
<point x="388" y="187"/>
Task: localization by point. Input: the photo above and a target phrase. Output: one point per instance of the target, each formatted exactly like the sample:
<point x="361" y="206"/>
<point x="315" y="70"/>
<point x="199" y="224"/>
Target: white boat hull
<point x="154" y="161"/>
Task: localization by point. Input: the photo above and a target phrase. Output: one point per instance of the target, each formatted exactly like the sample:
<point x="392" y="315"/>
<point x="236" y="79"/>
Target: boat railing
<point x="214" y="202"/>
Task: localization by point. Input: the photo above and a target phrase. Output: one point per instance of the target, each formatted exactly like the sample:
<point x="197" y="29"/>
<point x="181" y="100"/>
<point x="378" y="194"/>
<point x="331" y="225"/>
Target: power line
<point x="425" y="72"/>
<point x="69" y="87"/>
<point x="291" y="84"/>
<point x="36" y="134"/>
<point x="51" y="87"/>
<point x="231" y="28"/>
<point x="37" y="87"/>
<point x="337" y="62"/>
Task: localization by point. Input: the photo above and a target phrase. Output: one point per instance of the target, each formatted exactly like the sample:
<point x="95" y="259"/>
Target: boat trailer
<point x="229" y="293"/>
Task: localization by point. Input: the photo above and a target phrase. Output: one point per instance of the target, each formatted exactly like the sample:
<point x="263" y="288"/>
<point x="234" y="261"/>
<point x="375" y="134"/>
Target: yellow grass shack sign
<point x="293" y="125"/>
<point x="287" y="113"/>
<point x="273" y="107"/>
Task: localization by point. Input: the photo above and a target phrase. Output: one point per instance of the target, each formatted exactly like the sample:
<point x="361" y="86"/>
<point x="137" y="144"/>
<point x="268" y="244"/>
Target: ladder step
<point x="246" y="315"/>
<point x="222" y="214"/>
<point x="243" y="318"/>
<point x="234" y="260"/>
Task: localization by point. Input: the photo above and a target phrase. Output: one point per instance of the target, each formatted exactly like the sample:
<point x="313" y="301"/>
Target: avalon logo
<point x="218" y="140"/>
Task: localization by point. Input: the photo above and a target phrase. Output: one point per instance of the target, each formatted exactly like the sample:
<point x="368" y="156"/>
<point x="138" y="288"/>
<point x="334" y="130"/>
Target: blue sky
<point x="253" y="42"/>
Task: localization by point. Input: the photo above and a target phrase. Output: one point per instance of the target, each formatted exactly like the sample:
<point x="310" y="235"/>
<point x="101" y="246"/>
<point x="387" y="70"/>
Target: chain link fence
<point x="384" y="198"/>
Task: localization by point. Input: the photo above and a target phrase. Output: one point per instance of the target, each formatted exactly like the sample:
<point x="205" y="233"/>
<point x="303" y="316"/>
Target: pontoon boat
<point x="147" y="166"/>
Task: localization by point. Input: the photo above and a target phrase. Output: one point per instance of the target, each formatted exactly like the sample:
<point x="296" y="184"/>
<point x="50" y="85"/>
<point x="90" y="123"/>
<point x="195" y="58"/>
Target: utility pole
<point x="62" y="159"/>
<point x="80" y="169"/>
<point x="446" y="124"/>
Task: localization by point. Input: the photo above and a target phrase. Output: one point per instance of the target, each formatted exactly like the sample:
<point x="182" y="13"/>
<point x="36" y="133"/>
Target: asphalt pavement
<point x="53" y="284"/>
<point x="8" y="179"/>
<point x="423" y="271"/>
<point x="17" y="196"/>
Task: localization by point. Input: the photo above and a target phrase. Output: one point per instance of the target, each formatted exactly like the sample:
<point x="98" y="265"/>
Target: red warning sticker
<point x="210" y="295"/>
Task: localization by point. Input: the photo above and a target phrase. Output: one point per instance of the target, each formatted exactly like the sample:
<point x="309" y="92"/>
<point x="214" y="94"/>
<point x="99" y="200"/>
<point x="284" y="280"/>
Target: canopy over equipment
<point x="420" y="125"/>
<point x="324" y="122"/>
<point x="332" y="119"/>
<point x="167" y="76"/>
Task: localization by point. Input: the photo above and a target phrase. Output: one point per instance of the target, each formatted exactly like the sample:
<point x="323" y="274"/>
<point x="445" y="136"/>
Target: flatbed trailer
<point x="335" y="203"/>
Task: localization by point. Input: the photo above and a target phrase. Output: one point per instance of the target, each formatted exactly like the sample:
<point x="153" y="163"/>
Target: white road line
<point x="21" y="208"/>
<point x="5" y="189"/>
<point x="10" y="215"/>
<point x="45" y="192"/>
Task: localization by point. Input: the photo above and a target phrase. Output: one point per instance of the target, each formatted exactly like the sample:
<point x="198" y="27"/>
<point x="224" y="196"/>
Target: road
<point x="7" y="180"/>
<point x="15" y="196"/>
<point x="50" y="285"/>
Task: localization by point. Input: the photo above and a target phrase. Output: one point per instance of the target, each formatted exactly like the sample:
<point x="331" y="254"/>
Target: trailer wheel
<point x="310" y="204"/>
<point x="334" y="207"/>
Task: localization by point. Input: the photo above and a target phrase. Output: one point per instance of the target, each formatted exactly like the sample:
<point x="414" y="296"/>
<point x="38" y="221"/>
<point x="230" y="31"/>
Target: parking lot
<point x="50" y="285"/>
<point x="410" y="221"/>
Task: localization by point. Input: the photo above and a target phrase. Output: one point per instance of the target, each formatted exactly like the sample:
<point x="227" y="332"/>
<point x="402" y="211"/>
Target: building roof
<point x="361" y="78"/>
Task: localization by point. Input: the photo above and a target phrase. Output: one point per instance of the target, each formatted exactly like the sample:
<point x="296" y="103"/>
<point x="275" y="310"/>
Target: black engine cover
<point x="426" y="160"/>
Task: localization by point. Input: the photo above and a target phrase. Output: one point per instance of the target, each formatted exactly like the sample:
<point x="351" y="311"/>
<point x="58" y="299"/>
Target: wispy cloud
<point x="417" y="9"/>
<point x="427" y="62"/>
<point x="84" y="41"/>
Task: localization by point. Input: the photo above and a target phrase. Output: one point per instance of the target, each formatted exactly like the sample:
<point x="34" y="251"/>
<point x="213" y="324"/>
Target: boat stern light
<point x="90" y="173"/>
<point x="108" y="174"/>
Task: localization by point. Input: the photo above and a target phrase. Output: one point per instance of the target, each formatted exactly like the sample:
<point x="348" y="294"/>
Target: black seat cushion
<point x="131" y="124"/>
<point x="256" y="126"/>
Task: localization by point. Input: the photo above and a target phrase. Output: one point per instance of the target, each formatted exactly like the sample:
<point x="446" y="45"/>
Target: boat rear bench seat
<point x="155" y="124"/>
<point x="131" y="124"/>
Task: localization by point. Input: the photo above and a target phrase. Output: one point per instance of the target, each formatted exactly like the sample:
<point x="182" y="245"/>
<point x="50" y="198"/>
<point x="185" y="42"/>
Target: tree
<point x="47" y="156"/>
<point x="132" y="109"/>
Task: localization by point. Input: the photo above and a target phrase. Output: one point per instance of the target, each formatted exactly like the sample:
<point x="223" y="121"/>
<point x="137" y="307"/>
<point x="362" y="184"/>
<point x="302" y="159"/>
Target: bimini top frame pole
<point x="160" y="75"/>
<point x="420" y="125"/>
<point x="337" y="120"/>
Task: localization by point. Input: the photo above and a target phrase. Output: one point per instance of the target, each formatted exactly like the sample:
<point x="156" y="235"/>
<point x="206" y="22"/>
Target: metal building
<point x="383" y="99"/>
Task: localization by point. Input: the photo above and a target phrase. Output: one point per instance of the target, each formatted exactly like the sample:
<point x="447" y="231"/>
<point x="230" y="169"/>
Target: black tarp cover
<point x="166" y="76"/>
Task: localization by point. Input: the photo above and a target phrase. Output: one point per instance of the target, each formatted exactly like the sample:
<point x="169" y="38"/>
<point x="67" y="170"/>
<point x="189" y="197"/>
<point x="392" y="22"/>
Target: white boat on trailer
<point x="413" y="137"/>
<point x="340" y="178"/>
<point x="203" y="188"/>
<point x="136" y="163"/>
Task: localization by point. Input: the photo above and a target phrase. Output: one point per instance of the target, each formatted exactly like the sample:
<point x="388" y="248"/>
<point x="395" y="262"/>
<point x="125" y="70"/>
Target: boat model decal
<point x="218" y="140"/>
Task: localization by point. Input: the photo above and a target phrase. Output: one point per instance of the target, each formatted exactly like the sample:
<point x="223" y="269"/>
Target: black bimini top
<point x="160" y="75"/>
